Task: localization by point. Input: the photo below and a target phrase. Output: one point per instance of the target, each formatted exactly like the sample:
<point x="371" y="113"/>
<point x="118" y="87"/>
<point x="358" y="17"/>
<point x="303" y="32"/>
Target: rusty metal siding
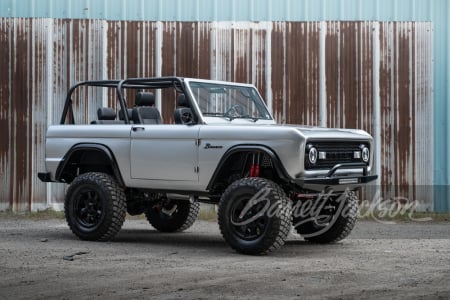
<point x="16" y="120"/>
<point x="37" y="99"/>
<point x="239" y="52"/>
<point x="295" y="72"/>
<point x="5" y="110"/>
<point x="349" y="75"/>
<point x="41" y="58"/>
<point x="130" y="52"/>
<point x="407" y="153"/>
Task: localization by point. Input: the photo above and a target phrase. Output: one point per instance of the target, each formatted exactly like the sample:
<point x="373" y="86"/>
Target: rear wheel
<point x="169" y="215"/>
<point x="336" y="221"/>
<point x="254" y="216"/>
<point x="95" y="206"/>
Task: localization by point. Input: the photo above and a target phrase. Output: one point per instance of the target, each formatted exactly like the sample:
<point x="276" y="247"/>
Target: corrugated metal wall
<point x="219" y="10"/>
<point x="376" y="76"/>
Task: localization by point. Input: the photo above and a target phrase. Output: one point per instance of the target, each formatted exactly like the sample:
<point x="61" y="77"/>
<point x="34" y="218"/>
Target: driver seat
<point x="183" y="114"/>
<point x="145" y="112"/>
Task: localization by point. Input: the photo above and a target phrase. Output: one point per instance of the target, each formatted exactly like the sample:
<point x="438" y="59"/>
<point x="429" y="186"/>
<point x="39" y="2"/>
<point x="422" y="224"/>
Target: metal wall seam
<point x="322" y="76"/>
<point x="376" y="109"/>
<point x="268" y="67"/>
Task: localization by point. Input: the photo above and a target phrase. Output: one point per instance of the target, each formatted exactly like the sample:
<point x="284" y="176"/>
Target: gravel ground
<point x="407" y="260"/>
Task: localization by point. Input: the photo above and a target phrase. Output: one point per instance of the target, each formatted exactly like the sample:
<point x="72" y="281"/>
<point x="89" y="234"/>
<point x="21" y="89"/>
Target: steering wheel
<point x="186" y="117"/>
<point x="234" y="111"/>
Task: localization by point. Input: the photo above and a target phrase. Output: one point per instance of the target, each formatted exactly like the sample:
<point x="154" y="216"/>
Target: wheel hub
<point x="88" y="208"/>
<point x="255" y="227"/>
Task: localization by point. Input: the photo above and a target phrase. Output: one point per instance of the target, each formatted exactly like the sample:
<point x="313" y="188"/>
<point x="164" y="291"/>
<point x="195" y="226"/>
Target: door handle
<point x="138" y="128"/>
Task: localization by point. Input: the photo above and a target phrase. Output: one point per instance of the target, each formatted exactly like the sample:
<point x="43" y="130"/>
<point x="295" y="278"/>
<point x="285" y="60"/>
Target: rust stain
<point x="20" y="129"/>
<point x="169" y="66"/>
<point x="39" y="113"/>
<point x="404" y="130"/>
<point x="366" y="69"/>
<point x="260" y="60"/>
<point x="278" y="70"/>
<point x="203" y="50"/>
<point x="332" y="73"/>
<point x="302" y="74"/>
<point x="349" y="80"/>
<point x="5" y="110"/>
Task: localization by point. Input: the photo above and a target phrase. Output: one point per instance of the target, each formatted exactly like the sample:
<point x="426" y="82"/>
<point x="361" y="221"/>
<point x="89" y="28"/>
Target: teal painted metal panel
<point x="441" y="17"/>
<point x="232" y="10"/>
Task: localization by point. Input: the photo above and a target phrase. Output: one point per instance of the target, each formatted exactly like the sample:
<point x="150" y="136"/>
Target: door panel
<point x="164" y="152"/>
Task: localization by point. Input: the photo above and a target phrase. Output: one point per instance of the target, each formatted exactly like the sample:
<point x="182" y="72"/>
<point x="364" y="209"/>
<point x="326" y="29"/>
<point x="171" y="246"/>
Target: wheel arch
<point x="88" y="157"/>
<point x="238" y="150"/>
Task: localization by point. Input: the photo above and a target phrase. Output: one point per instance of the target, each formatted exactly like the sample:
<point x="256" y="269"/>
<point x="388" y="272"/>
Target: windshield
<point x="229" y="101"/>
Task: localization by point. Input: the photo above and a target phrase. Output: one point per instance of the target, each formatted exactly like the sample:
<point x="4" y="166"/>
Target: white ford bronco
<point x="221" y="146"/>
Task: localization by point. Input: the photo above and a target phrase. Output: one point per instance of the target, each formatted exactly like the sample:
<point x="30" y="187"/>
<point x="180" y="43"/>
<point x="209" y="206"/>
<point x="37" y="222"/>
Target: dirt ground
<point x="407" y="260"/>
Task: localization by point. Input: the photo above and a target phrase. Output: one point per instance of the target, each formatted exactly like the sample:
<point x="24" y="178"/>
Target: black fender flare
<point x="90" y="147"/>
<point x="278" y="166"/>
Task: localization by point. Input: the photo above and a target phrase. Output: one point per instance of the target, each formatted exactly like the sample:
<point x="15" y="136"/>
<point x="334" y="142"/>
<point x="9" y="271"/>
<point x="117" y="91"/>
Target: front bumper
<point x="338" y="183"/>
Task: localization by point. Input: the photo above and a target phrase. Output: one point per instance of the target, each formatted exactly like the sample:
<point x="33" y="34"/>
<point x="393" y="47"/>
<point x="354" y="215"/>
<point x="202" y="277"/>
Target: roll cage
<point x="131" y="83"/>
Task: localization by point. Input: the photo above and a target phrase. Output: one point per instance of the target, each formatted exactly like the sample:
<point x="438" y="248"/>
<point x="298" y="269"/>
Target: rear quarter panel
<point x="60" y="138"/>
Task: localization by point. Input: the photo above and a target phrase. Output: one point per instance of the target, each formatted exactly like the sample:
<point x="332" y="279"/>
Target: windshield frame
<point x="223" y="119"/>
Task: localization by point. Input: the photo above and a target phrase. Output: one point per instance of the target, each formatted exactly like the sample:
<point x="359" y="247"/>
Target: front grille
<point x="336" y="153"/>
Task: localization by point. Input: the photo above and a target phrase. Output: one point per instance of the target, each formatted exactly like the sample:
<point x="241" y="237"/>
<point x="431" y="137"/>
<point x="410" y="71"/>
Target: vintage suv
<point x="223" y="147"/>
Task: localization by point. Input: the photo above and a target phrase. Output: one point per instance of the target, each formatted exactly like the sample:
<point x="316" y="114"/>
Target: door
<point x="164" y="152"/>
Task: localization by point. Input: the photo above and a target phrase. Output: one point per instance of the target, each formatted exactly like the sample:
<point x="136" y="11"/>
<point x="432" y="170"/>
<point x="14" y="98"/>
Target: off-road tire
<point x="95" y="207"/>
<point x="339" y="230"/>
<point x="182" y="218"/>
<point x="275" y="225"/>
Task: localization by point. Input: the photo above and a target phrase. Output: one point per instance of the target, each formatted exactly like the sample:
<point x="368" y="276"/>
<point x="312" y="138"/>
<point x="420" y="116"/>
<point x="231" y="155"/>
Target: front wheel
<point x="254" y="216"/>
<point x="336" y="220"/>
<point x="95" y="206"/>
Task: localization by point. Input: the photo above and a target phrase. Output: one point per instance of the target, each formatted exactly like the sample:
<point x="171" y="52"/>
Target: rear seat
<point x="106" y="115"/>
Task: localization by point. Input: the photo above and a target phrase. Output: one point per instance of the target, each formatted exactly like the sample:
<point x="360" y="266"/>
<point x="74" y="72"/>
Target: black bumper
<point x="45" y="176"/>
<point x="331" y="180"/>
<point x="343" y="180"/>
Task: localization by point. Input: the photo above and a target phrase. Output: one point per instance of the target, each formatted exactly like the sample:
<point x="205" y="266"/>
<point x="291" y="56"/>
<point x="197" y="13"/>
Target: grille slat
<point x="336" y="153"/>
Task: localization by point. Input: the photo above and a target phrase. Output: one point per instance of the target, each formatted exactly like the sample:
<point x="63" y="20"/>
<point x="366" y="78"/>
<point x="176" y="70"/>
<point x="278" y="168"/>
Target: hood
<point x="325" y="133"/>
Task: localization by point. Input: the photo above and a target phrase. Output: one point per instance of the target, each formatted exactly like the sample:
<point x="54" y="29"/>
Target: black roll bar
<point x="119" y="85"/>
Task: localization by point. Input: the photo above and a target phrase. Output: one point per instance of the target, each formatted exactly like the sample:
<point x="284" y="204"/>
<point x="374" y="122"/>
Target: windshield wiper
<point x="229" y="118"/>
<point x="254" y="119"/>
<point x="215" y="114"/>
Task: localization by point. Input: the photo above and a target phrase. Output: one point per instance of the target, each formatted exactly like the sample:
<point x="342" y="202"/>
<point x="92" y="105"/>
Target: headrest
<point x="182" y="101"/>
<point x="144" y="99"/>
<point x="106" y="113"/>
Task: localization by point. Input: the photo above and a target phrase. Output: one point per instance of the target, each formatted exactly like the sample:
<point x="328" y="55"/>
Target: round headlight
<point x="365" y="154"/>
<point x="313" y="154"/>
